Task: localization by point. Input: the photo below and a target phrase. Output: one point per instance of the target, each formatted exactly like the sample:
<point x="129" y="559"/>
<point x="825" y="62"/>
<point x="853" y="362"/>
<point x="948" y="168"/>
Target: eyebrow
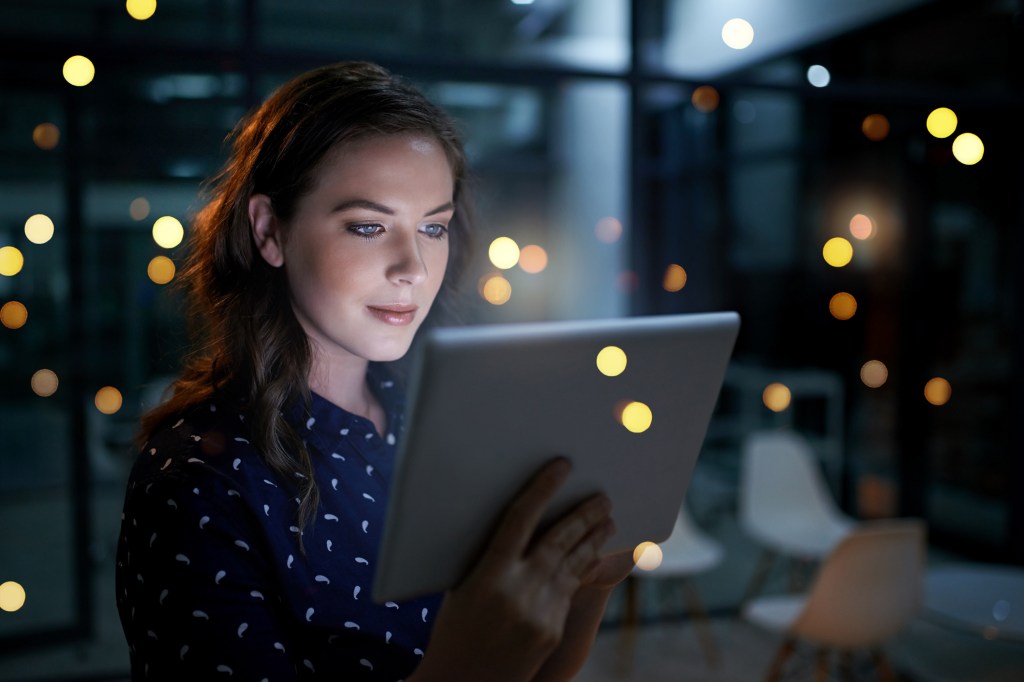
<point x="381" y="208"/>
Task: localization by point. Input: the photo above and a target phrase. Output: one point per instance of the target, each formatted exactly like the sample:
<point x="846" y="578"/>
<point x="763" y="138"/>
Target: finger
<point x="524" y="512"/>
<point x="570" y="530"/>
<point x="585" y="556"/>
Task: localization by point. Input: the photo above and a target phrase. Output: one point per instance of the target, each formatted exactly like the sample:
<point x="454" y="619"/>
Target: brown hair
<point x="246" y="338"/>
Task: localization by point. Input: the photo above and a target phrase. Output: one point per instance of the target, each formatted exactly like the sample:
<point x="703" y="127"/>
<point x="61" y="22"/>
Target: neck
<point x="342" y="381"/>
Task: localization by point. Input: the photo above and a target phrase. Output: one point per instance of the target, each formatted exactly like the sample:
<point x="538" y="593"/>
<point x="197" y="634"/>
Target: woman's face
<point x="367" y="248"/>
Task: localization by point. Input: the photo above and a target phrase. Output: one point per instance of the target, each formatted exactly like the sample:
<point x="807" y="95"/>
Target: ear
<point x="266" y="230"/>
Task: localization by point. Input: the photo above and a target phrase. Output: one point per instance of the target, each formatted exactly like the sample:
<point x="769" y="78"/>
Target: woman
<point x="253" y="511"/>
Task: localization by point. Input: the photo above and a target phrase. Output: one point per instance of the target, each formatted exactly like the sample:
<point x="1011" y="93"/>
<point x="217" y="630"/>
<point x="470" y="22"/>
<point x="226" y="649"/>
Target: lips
<point x="398" y="314"/>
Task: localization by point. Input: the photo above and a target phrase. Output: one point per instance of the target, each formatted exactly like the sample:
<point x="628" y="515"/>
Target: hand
<point x="610" y="570"/>
<point x="508" y="615"/>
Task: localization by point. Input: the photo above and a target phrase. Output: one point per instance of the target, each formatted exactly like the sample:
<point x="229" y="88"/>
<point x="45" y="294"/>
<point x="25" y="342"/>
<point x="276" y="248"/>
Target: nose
<point x="407" y="265"/>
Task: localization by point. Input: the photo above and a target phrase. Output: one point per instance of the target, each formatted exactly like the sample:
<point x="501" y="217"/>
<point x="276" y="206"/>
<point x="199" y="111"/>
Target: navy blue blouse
<point x="211" y="582"/>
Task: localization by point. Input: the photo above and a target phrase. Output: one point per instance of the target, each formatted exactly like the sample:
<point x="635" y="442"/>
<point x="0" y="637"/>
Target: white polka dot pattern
<point x="214" y="583"/>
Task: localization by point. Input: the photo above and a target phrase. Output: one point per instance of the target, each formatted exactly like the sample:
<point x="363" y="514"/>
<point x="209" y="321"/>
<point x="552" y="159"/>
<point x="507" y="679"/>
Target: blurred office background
<point x="646" y="157"/>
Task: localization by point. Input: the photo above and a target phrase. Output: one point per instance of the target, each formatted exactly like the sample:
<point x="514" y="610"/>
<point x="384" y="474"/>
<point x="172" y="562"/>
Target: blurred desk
<point x="987" y="599"/>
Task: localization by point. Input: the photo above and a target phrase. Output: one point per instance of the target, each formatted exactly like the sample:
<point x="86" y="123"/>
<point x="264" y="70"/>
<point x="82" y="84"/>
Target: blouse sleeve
<point x="193" y="582"/>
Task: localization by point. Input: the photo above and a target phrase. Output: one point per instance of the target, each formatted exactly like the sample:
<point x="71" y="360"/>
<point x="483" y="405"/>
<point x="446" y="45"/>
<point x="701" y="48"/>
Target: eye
<point x="435" y="230"/>
<point x="368" y="230"/>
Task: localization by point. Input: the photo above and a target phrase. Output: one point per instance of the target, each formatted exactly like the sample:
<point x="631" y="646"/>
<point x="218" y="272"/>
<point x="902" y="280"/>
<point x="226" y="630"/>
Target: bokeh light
<point x="79" y="71"/>
<point x="776" y="397"/>
<point x="141" y="9"/>
<point x="875" y="127"/>
<point x="675" y="278"/>
<point x="611" y="361"/>
<point x="818" y="76"/>
<point x="11" y="261"/>
<point x="39" y="228"/>
<point x="837" y="252"/>
<point x="13" y="315"/>
<point x="874" y="373"/>
<point x="503" y="253"/>
<point x="843" y="306"/>
<point x="738" y="33"/>
<point x="12" y="596"/>
<point x="647" y="556"/>
<point x="941" y="122"/>
<point x="533" y="259"/>
<point x="608" y="229"/>
<point x="168" y="232"/>
<point x="637" y="417"/>
<point x="139" y="208"/>
<point x="862" y="227"/>
<point x="938" y="391"/>
<point x="108" y="400"/>
<point x="496" y="290"/>
<point x="705" y="99"/>
<point x="44" y="383"/>
<point x="46" y="136"/>
<point x="968" y="149"/>
<point x="160" y="270"/>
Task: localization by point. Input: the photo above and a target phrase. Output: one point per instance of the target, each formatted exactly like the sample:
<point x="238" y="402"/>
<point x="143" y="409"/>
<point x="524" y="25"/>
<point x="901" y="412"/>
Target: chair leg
<point x="885" y="673"/>
<point x="757" y="581"/>
<point x="630" y="619"/>
<point x="701" y="623"/>
<point x="784" y="652"/>
<point x="846" y="666"/>
<point x="822" y="672"/>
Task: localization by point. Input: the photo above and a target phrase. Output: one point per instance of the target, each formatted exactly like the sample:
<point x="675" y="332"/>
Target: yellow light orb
<point x="79" y="71"/>
<point x="837" y="252"/>
<point x="674" y="279"/>
<point x="941" y="122"/>
<point x="611" y="361"/>
<point x="141" y="9"/>
<point x="46" y="136"/>
<point x="139" y="208"/>
<point x="44" y="383"/>
<point x="503" y="253"/>
<point x="637" y="417"/>
<point x="13" y="315"/>
<point x="862" y="227"/>
<point x="168" y="232"/>
<point x="39" y="228"/>
<point x="875" y="127"/>
<point x="938" y="391"/>
<point x="608" y="229"/>
<point x="496" y="290"/>
<point x="647" y="556"/>
<point x="160" y="270"/>
<point x="11" y="261"/>
<point x="533" y="259"/>
<point x="738" y="34"/>
<point x="108" y="400"/>
<point x="843" y="306"/>
<point x="705" y="99"/>
<point x="776" y="397"/>
<point x="874" y="373"/>
<point x="12" y="596"/>
<point x="968" y="149"/>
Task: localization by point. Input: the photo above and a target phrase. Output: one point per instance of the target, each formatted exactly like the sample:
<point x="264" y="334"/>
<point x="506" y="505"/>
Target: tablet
<point x="488" y="405"/>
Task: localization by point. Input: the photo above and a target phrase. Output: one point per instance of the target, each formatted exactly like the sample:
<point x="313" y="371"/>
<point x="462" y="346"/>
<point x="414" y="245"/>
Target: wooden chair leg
<point x="885" y="673"/>
<point x="846" y="666"/>
<point x="781" y="656"/>
<point x="630" y="620"/>
<point x="757" y="581"/>
<point x="822" y="671"/>
<point x="701" y="623"/>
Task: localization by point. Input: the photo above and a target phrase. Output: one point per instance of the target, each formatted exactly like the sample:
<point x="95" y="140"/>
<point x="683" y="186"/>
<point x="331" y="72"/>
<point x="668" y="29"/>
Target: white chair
<point x="784" y="502"/>
<point x="866" y="591"/>
<point x="687" y="552"/>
